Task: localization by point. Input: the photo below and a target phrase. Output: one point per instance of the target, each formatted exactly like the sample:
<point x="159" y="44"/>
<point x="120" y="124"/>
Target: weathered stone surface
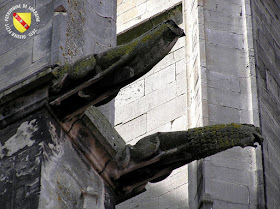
<point x="165" y="113"/>
<point x="154" y="157"/>
<point x="40" y="168"/>
<point x="157" y="195"/>
<point x="267" y="41"/>
<point x="132" y="13"/>
<point x="96" y="79"/>
<point x="70" y="33"/>
<point x="138" y="125"/>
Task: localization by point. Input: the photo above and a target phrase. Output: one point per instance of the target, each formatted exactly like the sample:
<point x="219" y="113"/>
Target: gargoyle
<point x="154" y="157"/>
<point x="97" y="79"/>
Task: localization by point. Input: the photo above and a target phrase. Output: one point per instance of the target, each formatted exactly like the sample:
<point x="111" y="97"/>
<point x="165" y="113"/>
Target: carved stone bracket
<point x="128" y="169"/>
<point x="154" y="157"/>
<point x="97" y="79"/>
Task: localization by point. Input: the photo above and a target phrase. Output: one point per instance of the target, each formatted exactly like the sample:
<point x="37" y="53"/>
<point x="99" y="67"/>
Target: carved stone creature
<point x="154" y="157"/>
<point x="97" y="79"/>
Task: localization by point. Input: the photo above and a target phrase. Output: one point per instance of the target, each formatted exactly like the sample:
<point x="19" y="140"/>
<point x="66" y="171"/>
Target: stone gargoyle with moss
<point x="97" y="79"/>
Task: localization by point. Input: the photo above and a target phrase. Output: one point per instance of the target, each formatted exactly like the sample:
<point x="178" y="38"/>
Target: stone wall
<point x="66" y="32"/>
<point x="40" y="168"/>
<point x="222" y="89"/>
<point x="21" y="58"/>
<point x="267" y="48"/>
<point x="131" y="13"/>
<point x="156" y="102"/>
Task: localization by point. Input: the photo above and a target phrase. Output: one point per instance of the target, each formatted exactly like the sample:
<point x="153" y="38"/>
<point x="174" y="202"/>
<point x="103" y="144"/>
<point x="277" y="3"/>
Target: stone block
<point x="248" y="85"/>
<point x="180" y="43"/>
<point x="160" y="79"/>
<point x="272" y="86"/>
<point x="131" y="14"/>
<point x="175" y="199"/>
<point x="235" y="158"/>
<point x="128" y="16"/>
<point x="166" y="112"/>
<point x="130" y="111"/>
<point x="224" y="98"/>
<point x="14" y="62"/>
<point x="42" y="4"/>
<point x="179" y="54"/>
<point x="150" y="198"/>
<point x="103" y="35"/>
<point x="180" y="67"/>
<point x="130" y="93"/>
<point x="218" y="204"/>
<point x="271" y="203"/>
<point x="164" y="128"/>
<point x="143" y="104"/>
<point x="181" y="82"/>
<point x="9" y="44"/>
<point x="272" y="190"/>
<point x="133" y="129"/>
<point x="223" y="7"/>
<point x="265" y="60"/>
<point x="58" y="48"/>
<point x="36" y="67"/>
<point x="124" y="6"/>
<point x="42" y="44"/>
<point x="172" y="183"/>
<point x="223" y="22"/>
<point x="179" y="124"/>
<point x="223" y="81"/>
<point x="91" y="46"/>
<point x="225" y="60"/>
<point x="165" y="62"/>
<point x="273" y="155"/>
<point x="105" y="9"/>
<point x="46" y="13"/>
<point x="224" y="38"/>
<point x="229" y="192"/>
<point x="230" y="175"/>
<point x="267" y="47"/>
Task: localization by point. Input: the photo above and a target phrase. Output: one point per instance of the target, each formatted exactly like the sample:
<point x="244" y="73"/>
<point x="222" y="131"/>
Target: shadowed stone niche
<point x="56" y="153"/>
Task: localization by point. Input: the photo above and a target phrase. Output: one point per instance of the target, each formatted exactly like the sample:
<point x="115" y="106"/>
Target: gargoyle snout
<point x="254" y="135"/>
<point x="183" y="34"/>
<point x="175" y="28"/>
<point x="258" y="135"/>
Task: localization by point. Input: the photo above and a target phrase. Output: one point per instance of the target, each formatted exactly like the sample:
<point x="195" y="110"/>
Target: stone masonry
<point x="267" y="53"/>
<point x="33" y="145"/>
<point x="42" y="169"/>
<point x="222" y="89"/>
<point x="66" y="32"/>
<point x="156" y="102"/>
<point x="229" y="62"/>
<point x="225" y="70"/>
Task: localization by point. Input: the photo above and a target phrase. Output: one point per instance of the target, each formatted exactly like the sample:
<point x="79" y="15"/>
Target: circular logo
<point x="21" y="21"/>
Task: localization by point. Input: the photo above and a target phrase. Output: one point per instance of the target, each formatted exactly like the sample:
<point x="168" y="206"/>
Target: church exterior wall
<point x="231" y="64"/>
<point x="267" y="52"/>
<point x="157" y="102"/>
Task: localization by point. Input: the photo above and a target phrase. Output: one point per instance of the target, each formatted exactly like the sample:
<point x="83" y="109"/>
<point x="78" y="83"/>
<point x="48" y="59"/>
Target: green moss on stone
<point x="82" y="67"/>
<point x="59" y="72"/>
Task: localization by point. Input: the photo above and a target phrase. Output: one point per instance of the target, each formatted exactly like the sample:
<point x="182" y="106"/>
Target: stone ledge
<point x="174" y="13"/>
